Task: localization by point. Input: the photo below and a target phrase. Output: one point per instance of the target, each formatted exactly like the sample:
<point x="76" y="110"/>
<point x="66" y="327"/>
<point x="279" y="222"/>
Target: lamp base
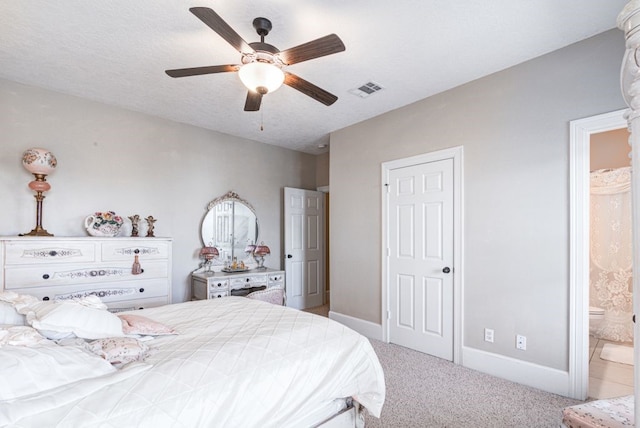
<point x="38" y="231"/>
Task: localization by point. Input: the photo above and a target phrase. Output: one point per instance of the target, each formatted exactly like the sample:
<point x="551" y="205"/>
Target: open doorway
<point x="580" y="186"/>
<point x="610" y="272"/>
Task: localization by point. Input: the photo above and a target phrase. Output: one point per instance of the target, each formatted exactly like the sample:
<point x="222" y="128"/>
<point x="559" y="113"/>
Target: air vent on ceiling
<point x="367" y="89"/>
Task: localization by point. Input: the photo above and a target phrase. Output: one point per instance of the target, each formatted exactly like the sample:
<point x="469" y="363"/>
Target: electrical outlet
<point x="488" y="335"/>
<point x="521" y="342"/>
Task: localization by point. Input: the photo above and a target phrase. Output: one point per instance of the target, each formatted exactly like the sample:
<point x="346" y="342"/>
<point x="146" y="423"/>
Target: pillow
<point x="9" y="316"/>
<point x="63" y="318"/>
<point x="119" y="350"/>
<point x="20" y="335"/>
<point x="137" y="324"/>
<point x="32" y="369"/>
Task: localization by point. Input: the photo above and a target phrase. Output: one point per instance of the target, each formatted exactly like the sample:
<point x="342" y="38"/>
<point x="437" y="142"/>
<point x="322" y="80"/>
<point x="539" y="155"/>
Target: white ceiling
<point x="116" y="52"/>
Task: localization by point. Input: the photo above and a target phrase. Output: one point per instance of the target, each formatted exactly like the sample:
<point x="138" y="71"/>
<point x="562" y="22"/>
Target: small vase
<point x="136" y="269"/>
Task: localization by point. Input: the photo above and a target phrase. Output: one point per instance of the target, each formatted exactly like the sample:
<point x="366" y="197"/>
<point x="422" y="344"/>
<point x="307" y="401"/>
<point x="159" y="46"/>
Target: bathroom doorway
<point x="580" y="352"/>
<point x="610" y="273"/>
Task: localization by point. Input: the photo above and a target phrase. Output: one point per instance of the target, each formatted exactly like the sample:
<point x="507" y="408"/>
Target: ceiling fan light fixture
<point x="261" y="77"/>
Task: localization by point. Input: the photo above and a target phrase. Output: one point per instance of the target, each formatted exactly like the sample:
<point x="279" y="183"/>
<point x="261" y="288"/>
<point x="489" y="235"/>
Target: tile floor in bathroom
<point x="607" y="379"/>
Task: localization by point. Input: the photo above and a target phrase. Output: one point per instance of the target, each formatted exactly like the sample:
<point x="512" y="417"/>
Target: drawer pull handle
<point x="45" y="298"/>
<point x="45" y="276"/>
<point x="142" y="290"/>
<point x="53" y="253"/>
<point x="136" y="251"/>
<point x="248" y="279"/>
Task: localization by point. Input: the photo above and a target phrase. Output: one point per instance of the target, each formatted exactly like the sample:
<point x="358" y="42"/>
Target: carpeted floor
<point x="425" y="391"/>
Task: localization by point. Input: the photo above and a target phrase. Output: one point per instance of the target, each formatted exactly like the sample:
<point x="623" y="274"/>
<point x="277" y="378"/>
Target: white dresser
<point x="53" y="268"/>
<point x="212" y="285"/>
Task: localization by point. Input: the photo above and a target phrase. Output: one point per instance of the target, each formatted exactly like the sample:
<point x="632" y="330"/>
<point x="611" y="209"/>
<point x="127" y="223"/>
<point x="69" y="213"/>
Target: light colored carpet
<point x="425" y="391"/>
<point x="617" y="353"/>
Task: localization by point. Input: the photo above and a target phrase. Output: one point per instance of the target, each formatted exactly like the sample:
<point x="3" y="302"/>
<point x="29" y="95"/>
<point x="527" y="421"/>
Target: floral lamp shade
<point x="39" y="161"/>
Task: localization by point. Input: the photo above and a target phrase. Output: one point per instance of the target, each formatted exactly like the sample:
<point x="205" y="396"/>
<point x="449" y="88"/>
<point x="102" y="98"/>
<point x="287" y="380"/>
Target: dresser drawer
<point x="49" y="275"/>
<point x="113" y="292"/>
<point x="133" y="305"/>
<point x="127" y="249"/>
<point x="247" y="281"/>
<point x="25" y="253"/>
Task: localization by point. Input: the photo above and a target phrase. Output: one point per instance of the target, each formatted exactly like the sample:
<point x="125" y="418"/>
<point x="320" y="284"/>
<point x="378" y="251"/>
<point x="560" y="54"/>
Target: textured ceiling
<point x="116" y="52"/>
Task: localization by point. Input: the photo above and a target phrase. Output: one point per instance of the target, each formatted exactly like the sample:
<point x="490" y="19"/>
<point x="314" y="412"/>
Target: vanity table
<point x="230" y="225"/>
<point x="213" y="285"/>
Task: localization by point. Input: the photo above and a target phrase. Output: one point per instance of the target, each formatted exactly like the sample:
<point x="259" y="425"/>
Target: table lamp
<point x="39" y="162"/>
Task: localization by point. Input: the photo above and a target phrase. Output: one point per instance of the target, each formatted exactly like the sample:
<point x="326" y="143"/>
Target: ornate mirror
<point x="230" y="224"/>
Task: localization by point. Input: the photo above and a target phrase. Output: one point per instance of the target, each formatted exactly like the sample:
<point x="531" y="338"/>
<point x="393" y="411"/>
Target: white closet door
<point x="421" y="256"/>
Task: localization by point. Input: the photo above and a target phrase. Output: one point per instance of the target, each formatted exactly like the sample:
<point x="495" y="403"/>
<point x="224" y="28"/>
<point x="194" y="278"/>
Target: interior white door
<point x="420" y="227"/>
<point x="304" y="247"/>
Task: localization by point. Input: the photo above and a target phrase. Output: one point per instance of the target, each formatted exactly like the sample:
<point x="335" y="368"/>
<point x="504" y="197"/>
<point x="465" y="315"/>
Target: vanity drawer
<point x="276" y="279"/>
<point x="153" y="288"/>
<point x="218" y="284"/>
<point x="218" y="293"/>
<point x="248" y="281"/>
<point x="23" y="253"/>
<point x="127" y="249"/>
<point x="58" y="274"/>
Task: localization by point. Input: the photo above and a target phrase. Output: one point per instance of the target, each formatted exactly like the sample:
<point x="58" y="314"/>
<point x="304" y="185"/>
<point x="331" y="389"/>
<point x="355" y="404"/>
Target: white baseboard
<point x="365" y="328"/>
<point x="534" y="375"/>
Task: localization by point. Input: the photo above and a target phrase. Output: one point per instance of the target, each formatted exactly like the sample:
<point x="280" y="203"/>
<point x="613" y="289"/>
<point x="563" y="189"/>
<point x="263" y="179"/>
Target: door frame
<point x="579" y="168"/>
<point x="455" y="153"/>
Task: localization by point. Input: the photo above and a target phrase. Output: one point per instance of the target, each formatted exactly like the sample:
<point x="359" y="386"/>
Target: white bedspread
<point x="236" y="362"/>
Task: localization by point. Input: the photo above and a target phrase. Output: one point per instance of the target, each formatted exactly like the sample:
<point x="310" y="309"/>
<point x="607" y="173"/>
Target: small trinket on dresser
<point x="134" y="224"/>
<point x="136" y="269"/>
<point x="150" y="221"/>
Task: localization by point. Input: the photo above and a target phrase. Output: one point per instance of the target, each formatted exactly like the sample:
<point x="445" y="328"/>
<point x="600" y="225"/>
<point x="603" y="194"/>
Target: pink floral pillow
<point x="119" y="350"/>
<point x="137" y="324"/>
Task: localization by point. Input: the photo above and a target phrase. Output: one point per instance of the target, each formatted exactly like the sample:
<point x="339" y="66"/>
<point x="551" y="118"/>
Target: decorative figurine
<point x="150" y="221"/>
<point x="134" y="224"/>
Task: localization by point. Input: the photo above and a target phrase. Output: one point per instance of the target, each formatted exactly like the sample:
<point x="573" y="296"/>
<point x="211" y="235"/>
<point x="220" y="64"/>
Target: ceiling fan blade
<point x="253" y="101"/>
<point x="309" y="89"/>
<point x="196" y="71"/>
<point x="326" y="45"/>
<point x="217" y="24"/>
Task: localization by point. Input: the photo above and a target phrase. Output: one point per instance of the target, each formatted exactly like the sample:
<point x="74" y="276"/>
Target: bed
<point x="227" y="362"/>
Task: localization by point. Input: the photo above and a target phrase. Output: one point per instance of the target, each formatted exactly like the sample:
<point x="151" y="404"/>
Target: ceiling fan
<point x="262" y="68"/>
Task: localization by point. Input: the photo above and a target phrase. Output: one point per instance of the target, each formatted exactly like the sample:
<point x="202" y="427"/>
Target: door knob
<point x="289" y="256"/>
<point x="446" y="270"/>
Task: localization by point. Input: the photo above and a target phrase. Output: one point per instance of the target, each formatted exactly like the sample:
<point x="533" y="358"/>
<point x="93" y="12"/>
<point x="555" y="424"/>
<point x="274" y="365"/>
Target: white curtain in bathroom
<point x="612" y="252"/>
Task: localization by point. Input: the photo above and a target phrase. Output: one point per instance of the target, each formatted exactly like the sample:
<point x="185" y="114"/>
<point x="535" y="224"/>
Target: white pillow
<point x="62" y="318"/>
<point x="9" y="316"/>
<point x="32" y="369"/>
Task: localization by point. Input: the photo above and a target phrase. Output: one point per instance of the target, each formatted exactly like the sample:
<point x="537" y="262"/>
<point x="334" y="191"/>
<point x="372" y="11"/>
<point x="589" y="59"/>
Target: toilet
<point x="596" y="315"/>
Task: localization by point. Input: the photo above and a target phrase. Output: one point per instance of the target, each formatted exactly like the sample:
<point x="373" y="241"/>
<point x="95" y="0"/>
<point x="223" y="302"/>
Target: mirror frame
<point x="230" y="196"/>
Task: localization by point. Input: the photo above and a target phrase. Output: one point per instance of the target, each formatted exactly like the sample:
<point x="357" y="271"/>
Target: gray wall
<point x="514" y="126"/>
<point x="114" y="159"/>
